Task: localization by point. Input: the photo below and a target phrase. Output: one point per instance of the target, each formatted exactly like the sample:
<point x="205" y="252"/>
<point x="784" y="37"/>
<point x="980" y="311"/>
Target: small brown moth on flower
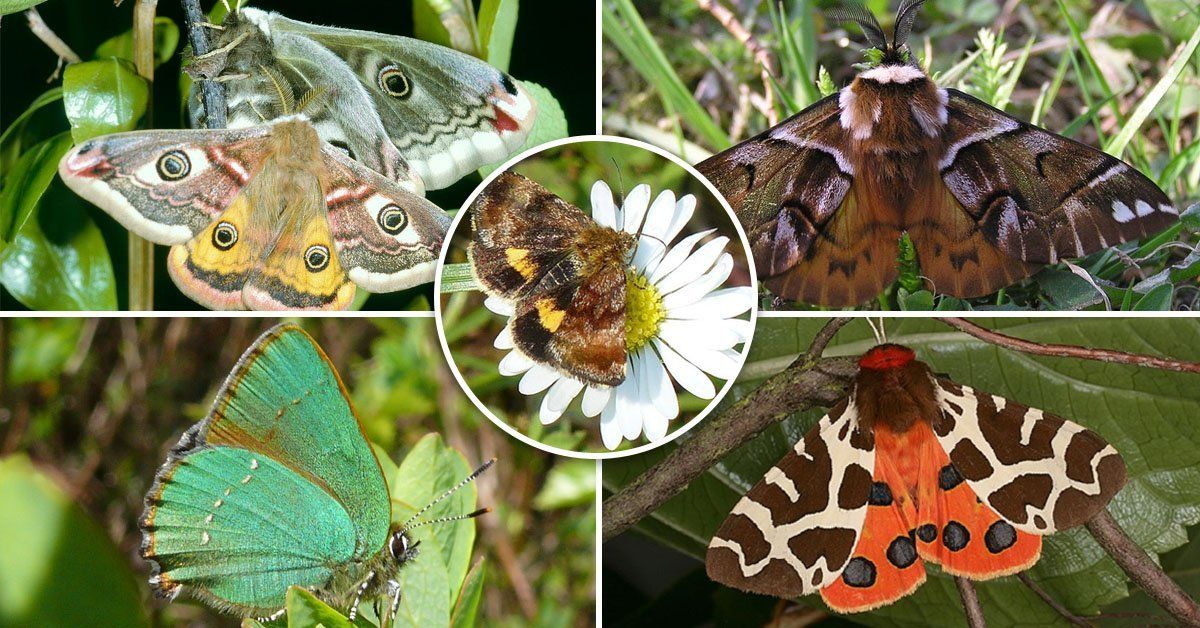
<point x="986" y="198"/>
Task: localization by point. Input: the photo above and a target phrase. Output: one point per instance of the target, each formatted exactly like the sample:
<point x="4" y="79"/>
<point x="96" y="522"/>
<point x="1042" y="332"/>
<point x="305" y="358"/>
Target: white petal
<point x="629" y="416"/>
<point x="683" y="213"/>
<point x="537" y="379"/>
<point x="595" y="398"/>
<point x="499" y="306"/>
<point x="710" y="361"/>
<point x="724" y="303"/>
<point x="658" y="387"/>
<point x="743" y="328"/>
<point x="635" y="207"/>
<point x="562" y="392"/>
<point x="514" y="364"/>
<point x="715" y="334"/>
<point x="610" y="432"/>
<point x="647" y="253"/>
<point x="604" y="210"/>
<point x="504" y="340"/>
<point x="676" y="255"/>
<point x="546" y="413"/>
<point x="696" y="290"/>
<point x="694" y="266"/>
<point x="689" y="377"/>
<point x="662" y="212"/>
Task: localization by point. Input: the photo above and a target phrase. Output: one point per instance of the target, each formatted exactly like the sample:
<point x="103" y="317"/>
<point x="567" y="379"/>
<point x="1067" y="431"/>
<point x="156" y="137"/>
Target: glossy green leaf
<point x="27" y="182"/>
<point x="103" y="96"/>
<point x="166" y="40"/>
<point x="426" y="24"/>
<point x="467" y="607"/>
<point x="304" y="610"/>
<point x="58" y="567"/>
<point x="11" y="139"/>
<point x="15" y="6"/>
<point x="1148" y="415"/>
<point x="497" y="25"/>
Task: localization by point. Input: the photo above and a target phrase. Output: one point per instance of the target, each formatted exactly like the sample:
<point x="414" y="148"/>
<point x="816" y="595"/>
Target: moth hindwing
<point x="409" y="109"/>
<point x="267" y="217"/>
<point x="564" y="273"/>
<point x="986" y="198"/>
<point x="911" y="468"/>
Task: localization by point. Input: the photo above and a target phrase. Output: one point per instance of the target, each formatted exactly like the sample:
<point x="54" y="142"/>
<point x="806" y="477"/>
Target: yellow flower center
<point x="644" y="311"/>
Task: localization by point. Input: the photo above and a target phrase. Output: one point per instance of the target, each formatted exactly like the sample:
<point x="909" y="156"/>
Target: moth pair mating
<point x="291" y="210"/>
<point x="278" y="487"/>
<point x="911" y="467"/>
<point x="986" y="198"/>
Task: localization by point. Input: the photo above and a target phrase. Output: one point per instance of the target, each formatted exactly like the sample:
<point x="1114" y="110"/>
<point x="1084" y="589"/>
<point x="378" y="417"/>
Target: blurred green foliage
<point x="89" y="408"/>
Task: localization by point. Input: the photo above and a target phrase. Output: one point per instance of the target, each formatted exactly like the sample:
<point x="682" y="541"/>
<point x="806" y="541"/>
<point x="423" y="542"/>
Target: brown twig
<point x="761" y="56"/>
<point x="211" y="92"/>
<point x="1144" y="572"/>
<point x="1069" y="351"/>
<point x="970" y="600"/>
<point x="1051" y="602"/>
<point x="43" y="32"/>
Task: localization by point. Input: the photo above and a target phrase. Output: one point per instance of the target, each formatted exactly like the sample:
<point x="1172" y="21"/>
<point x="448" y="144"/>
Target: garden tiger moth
<point x="911" y="468"/>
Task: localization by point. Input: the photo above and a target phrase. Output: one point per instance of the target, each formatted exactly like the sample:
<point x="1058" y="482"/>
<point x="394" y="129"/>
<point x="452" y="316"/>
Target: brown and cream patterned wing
<point x="1039" y="472"/>
<point x="794" y="532"/>
<point x="1041" y="197"/>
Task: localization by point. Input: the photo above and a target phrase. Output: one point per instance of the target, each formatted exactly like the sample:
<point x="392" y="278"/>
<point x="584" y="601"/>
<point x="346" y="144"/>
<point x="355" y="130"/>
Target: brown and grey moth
<point x="986" y="198"/>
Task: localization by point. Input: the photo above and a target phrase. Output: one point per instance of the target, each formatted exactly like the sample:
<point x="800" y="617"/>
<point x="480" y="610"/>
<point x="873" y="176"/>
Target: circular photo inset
<point x="596" y="297"/>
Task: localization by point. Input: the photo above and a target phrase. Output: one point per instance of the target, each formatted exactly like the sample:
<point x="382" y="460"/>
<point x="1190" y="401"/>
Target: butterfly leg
<point x="273" y="616"/>
<point x="362" y="588"/>
<point x="393" y="590"/>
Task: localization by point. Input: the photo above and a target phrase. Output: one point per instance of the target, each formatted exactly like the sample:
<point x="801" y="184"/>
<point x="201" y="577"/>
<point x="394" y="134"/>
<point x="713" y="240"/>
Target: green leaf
<point x="103" y="96"/>
<point x="909" y="267"/>
<point x="15" y="6"/>
<point x="166" y="40"/>
<point x="570" y="483"/>
<point x="56" y="258"/>
<point x="1146" y="107"/>
<point x="1157" y="299"/>
<point x="1177" y="18"/>
<point x="497" y="26"/>
<point x="1147" y="414"/>
<point x="919" y="301"/>
<point x="58" y="567"/>
<point x="467" y="607"/>
<point x="304" y="610"/>
<point x="10" y="145"/>
<point x="458" y="278"/>
<point x="427" y="25"/>
<point x="40" y="347"/>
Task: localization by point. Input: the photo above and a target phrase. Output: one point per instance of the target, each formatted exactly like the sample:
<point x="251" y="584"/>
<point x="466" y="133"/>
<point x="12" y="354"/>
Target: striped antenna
<point x="467" y="480"/>
<point x="470" y="515"/>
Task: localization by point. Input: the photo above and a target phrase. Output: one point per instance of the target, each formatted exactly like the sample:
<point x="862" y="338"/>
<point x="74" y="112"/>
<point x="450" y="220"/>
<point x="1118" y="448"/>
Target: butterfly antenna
<point x="470" y="515"/>
<point x="904" y="22"/>
<point x="875" y="330"/>
<point x="856" y="12"/>
<point x="465" y="481"/>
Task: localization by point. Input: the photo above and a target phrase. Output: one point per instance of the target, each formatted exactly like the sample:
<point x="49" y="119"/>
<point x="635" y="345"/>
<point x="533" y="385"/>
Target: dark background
<point x="554" y="46"/>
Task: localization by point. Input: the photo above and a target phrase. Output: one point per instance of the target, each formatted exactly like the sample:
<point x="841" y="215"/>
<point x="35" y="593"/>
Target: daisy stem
<point x="458" y="278"/>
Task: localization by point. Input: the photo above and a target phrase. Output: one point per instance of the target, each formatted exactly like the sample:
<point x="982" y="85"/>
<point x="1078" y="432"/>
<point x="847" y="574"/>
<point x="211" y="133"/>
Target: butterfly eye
<point x="174" y="165"/>
<point x="398" y="546"/>
<point x="393" y="82"/>
<point x="316" y="258"/>
<point x="392" y="219"/>
<point x="224" y="236"/>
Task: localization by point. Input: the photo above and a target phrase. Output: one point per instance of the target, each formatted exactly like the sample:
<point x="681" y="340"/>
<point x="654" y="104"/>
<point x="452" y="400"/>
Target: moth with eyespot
<point x="267" y="217"/>
<point x="564" y="273"/>
<point x="409" y="109"/>
<point x="985" y="198"/>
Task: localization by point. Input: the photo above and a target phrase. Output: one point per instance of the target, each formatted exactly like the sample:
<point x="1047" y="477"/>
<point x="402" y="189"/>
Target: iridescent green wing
<point x="237" y="528"/>
<point x="284" y="400"/>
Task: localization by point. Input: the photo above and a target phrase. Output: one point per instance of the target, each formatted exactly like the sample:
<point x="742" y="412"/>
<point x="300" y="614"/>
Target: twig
<point x="760" y="54"/>
<point x="1051" y="602"/>
<point x="43" y="32"/>
<point x="804" y="384"/>
<point x="1143" y="570"/>
<point x="970" y="600"/>
<point x="1070" y="351"/>
<point x="212" y="92"/>
<point x="141" y="252"/>
<point x="824" y="335"/>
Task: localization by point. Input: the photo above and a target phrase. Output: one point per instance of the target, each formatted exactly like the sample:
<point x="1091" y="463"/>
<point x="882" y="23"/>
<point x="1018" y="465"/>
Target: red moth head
<point x="886" y="356"/>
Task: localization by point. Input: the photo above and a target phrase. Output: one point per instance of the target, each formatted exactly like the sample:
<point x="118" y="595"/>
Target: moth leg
<point x="362" y="589"/>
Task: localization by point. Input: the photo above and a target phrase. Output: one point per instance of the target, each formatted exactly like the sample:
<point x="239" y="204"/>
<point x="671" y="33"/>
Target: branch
<point x="212" y="92"/>
<point x="1070" y="351"/>
<point x="760" y="54"/>
<point x="970" y="599"/>
<point x="42" y="31"/>
<point x="1143" y="570"/>
<point x="1051" y="602"/>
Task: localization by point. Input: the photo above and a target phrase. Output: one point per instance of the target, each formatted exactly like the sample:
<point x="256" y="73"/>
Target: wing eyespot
<point x="173" y="165"/>
<point x="392" y="219"/>
<point x="316" y="258"/>
<point x="393" y="82"/>
<point x="224" y="236"/>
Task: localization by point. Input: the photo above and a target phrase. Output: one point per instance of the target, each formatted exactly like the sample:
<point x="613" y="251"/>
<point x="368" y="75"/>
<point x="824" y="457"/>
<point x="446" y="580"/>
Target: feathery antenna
<point x="905" y="17"/>
<point x="855" y="11"/>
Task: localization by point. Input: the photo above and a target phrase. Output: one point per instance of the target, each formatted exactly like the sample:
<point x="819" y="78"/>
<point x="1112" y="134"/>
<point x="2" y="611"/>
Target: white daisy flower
<point x="681" y="327"/>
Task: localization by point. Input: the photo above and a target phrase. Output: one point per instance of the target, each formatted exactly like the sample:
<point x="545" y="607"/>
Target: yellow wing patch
<point x="212" y="267"/>
<point x="519" y="260"/>
<point x="548" y="315"/>
<point x="302" y="270"/>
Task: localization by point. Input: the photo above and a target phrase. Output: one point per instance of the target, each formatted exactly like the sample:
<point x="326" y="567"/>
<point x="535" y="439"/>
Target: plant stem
<point x="1140" y="568"/>
<point x="212" y="92"/>
<point x="141" y="252"/>
<point x="970" y="599"/>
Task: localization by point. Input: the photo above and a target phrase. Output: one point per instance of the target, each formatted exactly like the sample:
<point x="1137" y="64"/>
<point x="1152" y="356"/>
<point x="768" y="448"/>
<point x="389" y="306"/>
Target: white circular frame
<point x="437" y="297"/>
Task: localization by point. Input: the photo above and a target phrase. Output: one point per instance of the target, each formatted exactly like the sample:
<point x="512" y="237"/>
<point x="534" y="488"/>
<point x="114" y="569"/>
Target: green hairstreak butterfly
<point x="278" y="486"/>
